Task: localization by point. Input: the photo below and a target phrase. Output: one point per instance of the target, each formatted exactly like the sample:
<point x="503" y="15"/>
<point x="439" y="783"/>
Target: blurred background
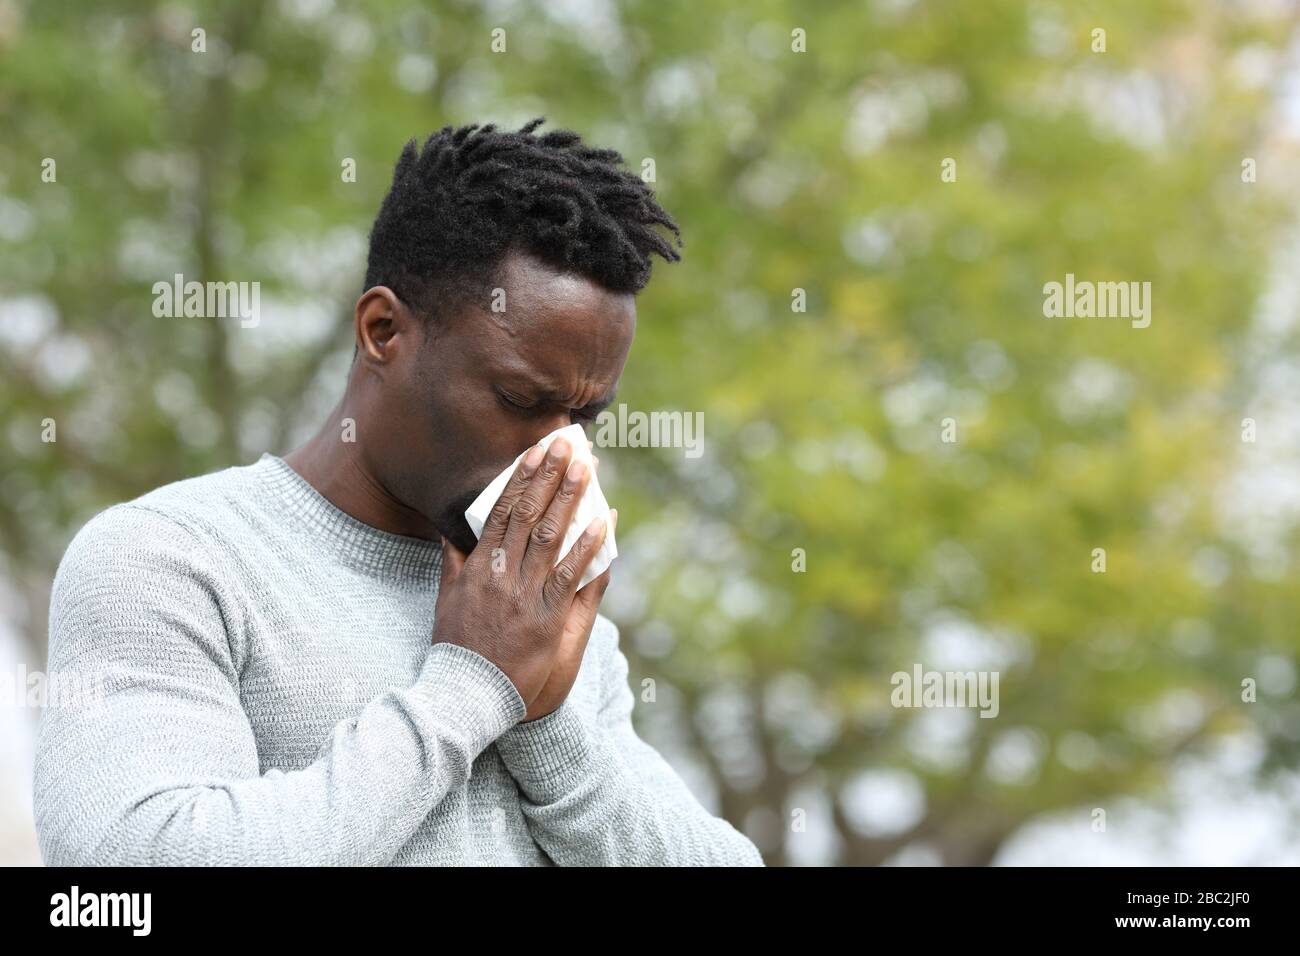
<point x="793" y="160"/>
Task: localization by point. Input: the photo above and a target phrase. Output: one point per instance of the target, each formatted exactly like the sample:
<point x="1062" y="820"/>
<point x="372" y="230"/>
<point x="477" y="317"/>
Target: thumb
<point x="453" y="561"/>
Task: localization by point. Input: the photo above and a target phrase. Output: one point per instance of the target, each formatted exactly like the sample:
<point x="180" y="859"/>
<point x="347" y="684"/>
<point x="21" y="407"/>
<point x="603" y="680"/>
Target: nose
<point x="550" y="424"/>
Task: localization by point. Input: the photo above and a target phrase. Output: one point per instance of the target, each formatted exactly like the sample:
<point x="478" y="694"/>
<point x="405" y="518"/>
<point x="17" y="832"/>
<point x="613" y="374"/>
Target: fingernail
<point x="576" y="471"/>
<point x="613" y="517"/>
<point x="594" y="525"/>
<point x="560" y="448"/>
<point x="533" y="458"/>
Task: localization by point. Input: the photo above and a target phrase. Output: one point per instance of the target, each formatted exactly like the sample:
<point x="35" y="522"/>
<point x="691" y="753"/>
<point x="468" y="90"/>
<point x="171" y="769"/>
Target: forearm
<point x="156" y="780"/>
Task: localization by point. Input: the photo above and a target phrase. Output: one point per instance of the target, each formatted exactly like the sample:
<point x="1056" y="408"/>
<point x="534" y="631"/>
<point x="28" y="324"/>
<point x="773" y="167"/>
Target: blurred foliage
<point x="817" y="171"/>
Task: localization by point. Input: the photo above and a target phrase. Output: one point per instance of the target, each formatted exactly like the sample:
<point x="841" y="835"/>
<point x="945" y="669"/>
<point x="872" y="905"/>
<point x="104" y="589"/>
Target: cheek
<point x="467" y="434"/>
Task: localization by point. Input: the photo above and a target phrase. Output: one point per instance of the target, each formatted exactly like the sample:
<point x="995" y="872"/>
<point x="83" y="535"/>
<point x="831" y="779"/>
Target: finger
<point x="578" y="623"/>
<point x="590" y="594"/>
<point x="595" y="463"/>
<point x="494" y="529"/>
<point x="562" y="582"/>
<point x="593" y="592"/>
<point x="453" y="562"/>
<point x="548" y="534"/>
<point x="536" y="497"/>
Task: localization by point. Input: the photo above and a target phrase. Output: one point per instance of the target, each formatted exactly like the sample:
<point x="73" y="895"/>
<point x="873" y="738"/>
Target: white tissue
<point x="593" y="503"/>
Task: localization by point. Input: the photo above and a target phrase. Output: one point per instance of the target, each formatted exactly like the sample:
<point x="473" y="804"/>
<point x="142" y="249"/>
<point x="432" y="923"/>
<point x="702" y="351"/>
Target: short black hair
<point x="474" y="193"/>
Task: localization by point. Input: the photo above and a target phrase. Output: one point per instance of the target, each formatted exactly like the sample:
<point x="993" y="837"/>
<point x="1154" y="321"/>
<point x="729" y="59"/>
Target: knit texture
<point x="269" y="694"/>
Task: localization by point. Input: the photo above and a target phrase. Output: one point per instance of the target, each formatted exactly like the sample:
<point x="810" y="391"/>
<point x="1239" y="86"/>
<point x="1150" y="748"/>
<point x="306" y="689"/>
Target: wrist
<point x="552" y="755"/>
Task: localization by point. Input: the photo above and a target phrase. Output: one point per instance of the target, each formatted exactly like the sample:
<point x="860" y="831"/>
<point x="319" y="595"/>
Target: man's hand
<point x="508" y="600"/>
<point x="573" y="642"/>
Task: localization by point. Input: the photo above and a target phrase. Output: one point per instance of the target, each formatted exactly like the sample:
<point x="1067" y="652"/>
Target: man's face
<point x="488" y="385"/>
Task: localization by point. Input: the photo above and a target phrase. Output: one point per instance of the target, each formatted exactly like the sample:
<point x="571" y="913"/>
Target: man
<point x="312" y="660"/>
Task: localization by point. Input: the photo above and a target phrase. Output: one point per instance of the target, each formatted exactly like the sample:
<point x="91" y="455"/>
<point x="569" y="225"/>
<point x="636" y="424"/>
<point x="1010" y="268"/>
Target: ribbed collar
<point x="357" y="544"/>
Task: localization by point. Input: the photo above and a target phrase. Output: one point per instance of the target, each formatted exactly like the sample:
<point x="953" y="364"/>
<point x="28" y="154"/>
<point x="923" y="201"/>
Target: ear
<point x="383" y="325"/>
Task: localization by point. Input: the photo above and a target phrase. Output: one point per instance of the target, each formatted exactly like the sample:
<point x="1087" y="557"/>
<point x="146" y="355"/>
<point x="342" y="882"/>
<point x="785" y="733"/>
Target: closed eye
<point x="514" y="403"/>
<point x="586" y="415"/>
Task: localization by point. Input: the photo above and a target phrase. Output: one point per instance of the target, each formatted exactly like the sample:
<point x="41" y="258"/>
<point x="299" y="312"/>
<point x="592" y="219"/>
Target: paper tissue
<point x="592" y="504"/>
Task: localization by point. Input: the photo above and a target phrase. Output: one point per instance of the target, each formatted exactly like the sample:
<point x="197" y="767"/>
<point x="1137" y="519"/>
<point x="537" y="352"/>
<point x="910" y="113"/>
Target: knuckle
<point x="565" y="574"/>
<point x="545" y="532"/>
<point x="552" y="596"/>
<point x="501" y="510"/>
<point x="527" y="510"/>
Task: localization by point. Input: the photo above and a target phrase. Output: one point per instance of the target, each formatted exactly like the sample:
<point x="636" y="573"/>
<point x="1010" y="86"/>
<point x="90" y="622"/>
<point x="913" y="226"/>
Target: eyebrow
<point x="596" y="405"/>
<point x="548" y="395"/>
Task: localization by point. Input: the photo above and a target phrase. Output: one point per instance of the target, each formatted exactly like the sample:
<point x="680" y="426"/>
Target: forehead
<point x="560" y="330"/>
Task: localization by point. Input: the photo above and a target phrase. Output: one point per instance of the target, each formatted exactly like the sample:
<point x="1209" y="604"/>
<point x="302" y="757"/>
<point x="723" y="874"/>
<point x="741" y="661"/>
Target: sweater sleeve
<point x="155" y="763"/>
<point x="601" y="796"/>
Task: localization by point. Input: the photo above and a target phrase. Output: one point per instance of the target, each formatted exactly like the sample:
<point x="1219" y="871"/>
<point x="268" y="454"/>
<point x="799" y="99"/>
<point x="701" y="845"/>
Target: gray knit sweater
<point x="264" y="690"/>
